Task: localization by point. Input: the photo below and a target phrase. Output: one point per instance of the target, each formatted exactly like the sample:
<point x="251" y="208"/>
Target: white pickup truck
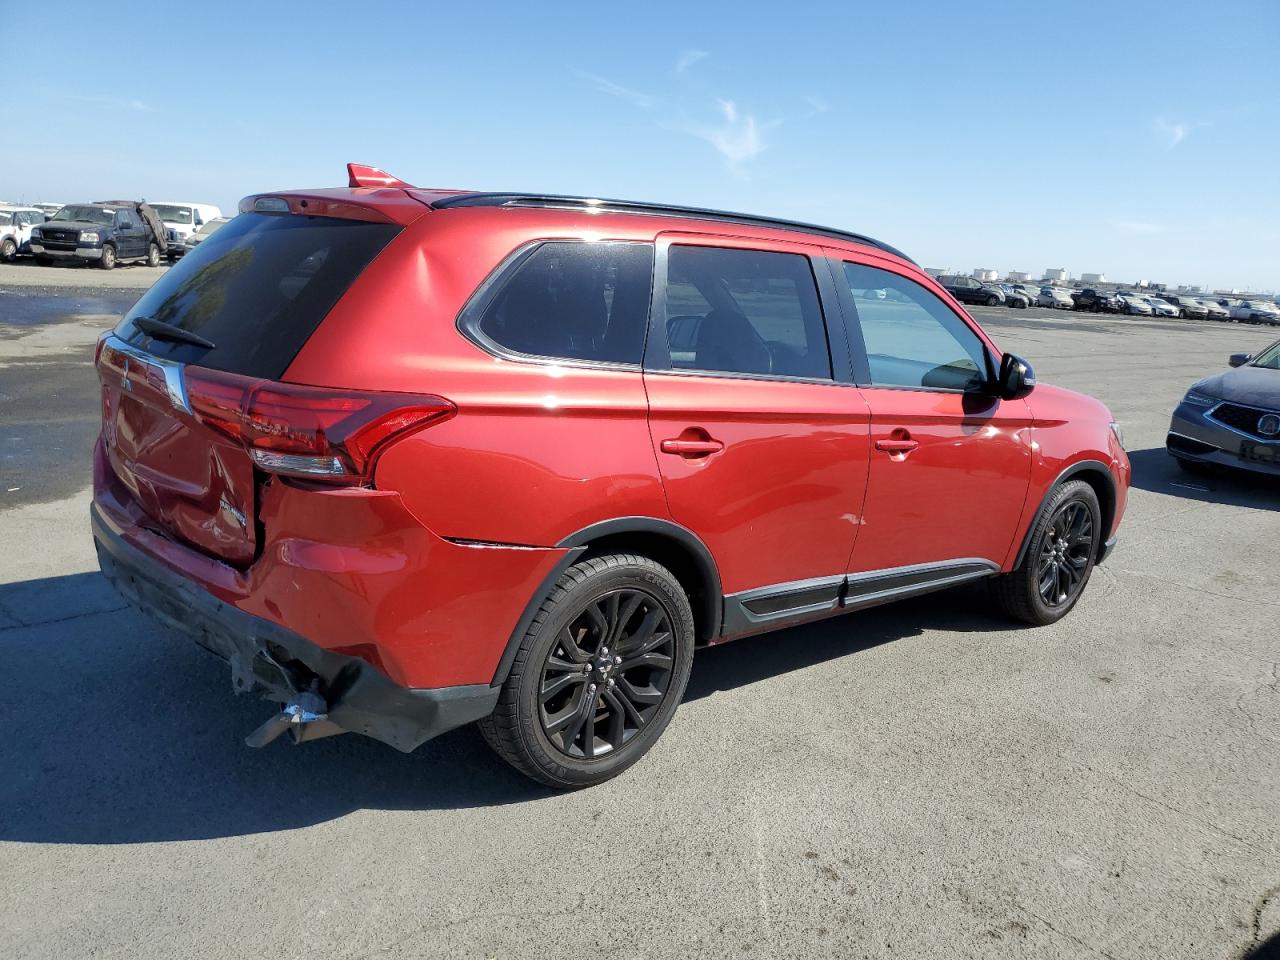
<point x="15" y="230"/>
<point x="182" y="219"/>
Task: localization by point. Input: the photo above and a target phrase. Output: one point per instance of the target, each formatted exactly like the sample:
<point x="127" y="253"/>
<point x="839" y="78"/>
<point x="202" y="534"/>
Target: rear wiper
<point x="167" y="331"/>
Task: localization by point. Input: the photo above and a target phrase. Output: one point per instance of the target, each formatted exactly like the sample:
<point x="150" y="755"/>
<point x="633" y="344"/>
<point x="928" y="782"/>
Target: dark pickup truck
<point x="1096" y="301"/>
<point x="969" y="290"/>
<point x="107" y="232"/>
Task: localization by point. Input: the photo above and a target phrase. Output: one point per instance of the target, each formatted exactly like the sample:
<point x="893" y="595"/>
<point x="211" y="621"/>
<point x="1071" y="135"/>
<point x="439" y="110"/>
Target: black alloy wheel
<point x="607" y="674"/>
<point x="1054" y="566"/>
<point x="597" y="675"/>
<point x="1066" y="549"/>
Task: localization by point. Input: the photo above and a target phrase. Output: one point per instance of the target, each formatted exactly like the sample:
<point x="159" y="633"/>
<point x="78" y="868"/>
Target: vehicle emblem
<point x="124" y="382"/>
<point x="1269" y="425"/>
<point x="237" y="515"/>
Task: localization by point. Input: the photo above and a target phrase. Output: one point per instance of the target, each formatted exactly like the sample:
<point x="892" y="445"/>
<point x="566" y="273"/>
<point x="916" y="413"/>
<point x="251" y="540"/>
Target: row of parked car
<point x="105" y="232"/>
<point x="1129" y="302"/>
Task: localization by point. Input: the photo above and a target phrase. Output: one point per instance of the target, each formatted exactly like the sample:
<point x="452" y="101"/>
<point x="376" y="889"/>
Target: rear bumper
<point x="269" y="659"/>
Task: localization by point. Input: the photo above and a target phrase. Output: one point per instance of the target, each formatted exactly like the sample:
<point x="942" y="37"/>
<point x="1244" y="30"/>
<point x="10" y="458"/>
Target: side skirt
<point x="784" y="604"/>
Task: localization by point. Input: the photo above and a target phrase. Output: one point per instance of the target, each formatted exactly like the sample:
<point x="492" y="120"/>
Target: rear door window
<point x="571" y="300"/>
<point x="744" y="311"/>
<point x="258" y="289"/>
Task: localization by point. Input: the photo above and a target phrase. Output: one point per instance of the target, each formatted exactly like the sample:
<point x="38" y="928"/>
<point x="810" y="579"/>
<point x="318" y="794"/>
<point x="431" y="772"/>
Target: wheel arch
<point x="1095" y="473"/>
<point x="675" y="547"/>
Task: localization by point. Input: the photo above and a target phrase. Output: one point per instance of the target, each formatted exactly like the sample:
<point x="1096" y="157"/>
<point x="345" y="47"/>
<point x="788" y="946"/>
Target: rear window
<point x="257" y="289"/>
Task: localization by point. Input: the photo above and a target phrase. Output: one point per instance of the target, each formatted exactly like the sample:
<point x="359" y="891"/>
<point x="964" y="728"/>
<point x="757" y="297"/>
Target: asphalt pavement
<point x="921" y="780"/>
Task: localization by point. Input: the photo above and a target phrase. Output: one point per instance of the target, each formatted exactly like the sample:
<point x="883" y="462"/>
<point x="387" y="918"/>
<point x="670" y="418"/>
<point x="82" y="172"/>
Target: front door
<point x="760" y="437"/>
<point x="950" y="462"/>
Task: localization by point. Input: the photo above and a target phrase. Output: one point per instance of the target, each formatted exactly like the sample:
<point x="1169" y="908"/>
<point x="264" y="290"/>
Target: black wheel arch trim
<point x="578" y="543"/>
<point x="1082" y="466"/>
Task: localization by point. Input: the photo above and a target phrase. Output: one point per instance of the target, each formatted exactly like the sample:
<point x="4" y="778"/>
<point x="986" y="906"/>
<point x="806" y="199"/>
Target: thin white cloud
<point x="1173" y="132"/>
<point x="117" y="103"/>
<point x="688" y="58"/>
<point x="817" y="106"/>
<point x="739" y="138"/>
<point x="1137" y="227"/>
<point x="642" y="100"/>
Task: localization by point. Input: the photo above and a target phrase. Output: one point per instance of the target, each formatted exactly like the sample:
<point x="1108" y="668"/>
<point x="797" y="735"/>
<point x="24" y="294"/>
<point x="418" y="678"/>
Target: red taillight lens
<point x="305" y="431"/>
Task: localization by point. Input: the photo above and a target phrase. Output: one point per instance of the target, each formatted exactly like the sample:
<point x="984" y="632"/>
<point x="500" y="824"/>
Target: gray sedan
<point x="1232" y="418"/>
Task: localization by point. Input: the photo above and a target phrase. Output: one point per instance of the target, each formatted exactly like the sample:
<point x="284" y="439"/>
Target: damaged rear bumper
<point x="278" y="663"/>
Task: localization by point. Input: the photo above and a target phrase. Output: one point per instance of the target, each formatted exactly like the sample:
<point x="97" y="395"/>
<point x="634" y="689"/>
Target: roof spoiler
<point x="363" y="175"/>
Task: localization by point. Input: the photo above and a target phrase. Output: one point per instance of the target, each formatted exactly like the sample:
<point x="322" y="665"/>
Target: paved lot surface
<point x="921" y="780"/>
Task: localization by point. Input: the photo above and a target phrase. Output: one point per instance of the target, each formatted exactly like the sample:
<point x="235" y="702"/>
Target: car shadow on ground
<point x="118" y="731"/>
<point x="1155" y="470"/>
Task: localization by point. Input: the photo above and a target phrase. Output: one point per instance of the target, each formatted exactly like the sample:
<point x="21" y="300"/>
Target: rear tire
<point x="108" y="261"/>
<point x="153" y="255"/>
<point x="597" y="676"/>
<point x="1062" y="550"/>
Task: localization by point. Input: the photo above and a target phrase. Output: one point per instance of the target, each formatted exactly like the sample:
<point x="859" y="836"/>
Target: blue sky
<point x="1141" y="139"/>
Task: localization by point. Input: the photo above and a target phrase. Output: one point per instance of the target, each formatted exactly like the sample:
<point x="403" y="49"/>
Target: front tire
<point x="993" y="301"/>
<point x="1061" y="555"/>
<point x="598" y="675"/>
<point x="108" y="261"/>
<point x="8" y="250"/>
<point x="153" y="255"/>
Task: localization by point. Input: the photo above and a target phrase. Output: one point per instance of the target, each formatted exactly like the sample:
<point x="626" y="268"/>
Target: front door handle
<point x="692" y="448"/>
<point x="899" y="446"/>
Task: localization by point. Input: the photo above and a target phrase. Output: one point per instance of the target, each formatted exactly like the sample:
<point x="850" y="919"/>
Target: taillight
<point x="314" y="432"/>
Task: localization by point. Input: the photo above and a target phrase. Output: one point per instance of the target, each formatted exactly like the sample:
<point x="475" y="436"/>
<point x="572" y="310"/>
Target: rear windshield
<point x="257" y="289"/>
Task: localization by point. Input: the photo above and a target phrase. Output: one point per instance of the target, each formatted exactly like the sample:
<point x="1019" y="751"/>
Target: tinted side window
<point x="575" y="301"/>
<point x="912" y="338"/>
<point x="744" y="311"/>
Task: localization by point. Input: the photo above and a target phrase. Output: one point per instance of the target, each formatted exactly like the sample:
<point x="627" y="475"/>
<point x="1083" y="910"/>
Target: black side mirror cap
<point x="1017" y="378"/>
<point x="1239" y="359"/>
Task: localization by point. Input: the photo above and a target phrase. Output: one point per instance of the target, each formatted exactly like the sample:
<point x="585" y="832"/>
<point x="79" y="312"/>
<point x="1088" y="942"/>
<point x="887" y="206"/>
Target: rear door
<point x="256" y="290"/>
<point x="760" y="437"/>
<point x="950" y="463"/>
<point x="126" y="235"/>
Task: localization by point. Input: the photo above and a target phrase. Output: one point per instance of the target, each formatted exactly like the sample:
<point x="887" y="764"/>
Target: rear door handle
<point x="897" y="446"/>
<point x="692" y="448"/>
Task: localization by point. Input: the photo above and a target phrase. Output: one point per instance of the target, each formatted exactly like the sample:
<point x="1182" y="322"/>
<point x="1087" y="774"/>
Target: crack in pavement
<point x="23" y="624"/>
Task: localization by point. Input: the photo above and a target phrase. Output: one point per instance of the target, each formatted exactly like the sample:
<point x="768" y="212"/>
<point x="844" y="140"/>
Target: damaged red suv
<point x="409" y="459"/>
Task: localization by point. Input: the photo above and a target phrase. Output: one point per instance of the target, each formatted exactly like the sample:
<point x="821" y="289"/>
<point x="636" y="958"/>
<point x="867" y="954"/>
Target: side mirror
<point x="1016" y="378"/>
<point x="1239" y="359"/>
<point x="198" y="222"/>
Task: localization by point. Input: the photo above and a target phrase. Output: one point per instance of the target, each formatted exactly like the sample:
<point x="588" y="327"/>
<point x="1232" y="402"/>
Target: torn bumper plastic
<point x="280" y="664"/>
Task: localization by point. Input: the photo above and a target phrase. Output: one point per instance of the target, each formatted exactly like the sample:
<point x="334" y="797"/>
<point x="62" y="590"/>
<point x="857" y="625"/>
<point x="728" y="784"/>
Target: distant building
<point x="1056" y="275"/>
<point x="985" y="275"/>
<point x="1093" y="278"/>
<point x="1187" y="288"/>
<point x="936" y="271"/>
<point x="1017" y="276"/>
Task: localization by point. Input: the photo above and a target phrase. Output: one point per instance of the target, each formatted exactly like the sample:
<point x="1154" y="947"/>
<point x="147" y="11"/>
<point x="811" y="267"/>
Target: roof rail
<point x="554" y="202"/>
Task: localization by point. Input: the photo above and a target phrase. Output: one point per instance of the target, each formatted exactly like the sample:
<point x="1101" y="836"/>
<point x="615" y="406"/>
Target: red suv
<point x="409" y="458"/>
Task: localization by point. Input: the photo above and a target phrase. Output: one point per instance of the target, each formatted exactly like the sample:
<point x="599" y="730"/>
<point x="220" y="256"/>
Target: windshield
<point x="171" y="214"/>
<point x="1269" y="358"/>
<point x="211" y="226"/>
<point x="92" y="214"/>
